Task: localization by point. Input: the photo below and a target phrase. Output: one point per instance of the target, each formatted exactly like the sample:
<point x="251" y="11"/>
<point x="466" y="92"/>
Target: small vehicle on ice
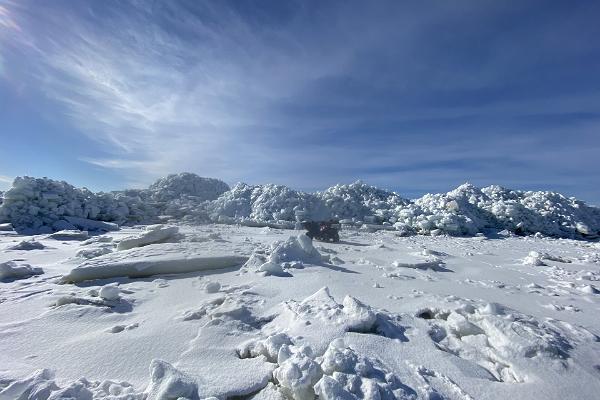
<point x="325" y="231"/>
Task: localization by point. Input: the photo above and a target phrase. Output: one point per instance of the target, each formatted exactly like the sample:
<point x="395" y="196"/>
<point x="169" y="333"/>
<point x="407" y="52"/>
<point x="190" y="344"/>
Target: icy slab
<point x="91" y="225"/>
<point x="6" y="227"/>
<point x="422" y="261"/>
<point x="151" y="234"/>
<point x="69" y="235"/>
<point x="27" y="245"/>
<point x="153" y="259"/>
<point x="11" y="270"/>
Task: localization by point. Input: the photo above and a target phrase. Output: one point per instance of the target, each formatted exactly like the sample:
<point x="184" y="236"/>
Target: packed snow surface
<point x="378" y="315"/>
<point x="45" y="206"/>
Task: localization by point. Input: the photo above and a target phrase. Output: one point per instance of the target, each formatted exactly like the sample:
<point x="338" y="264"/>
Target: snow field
<point x="417" y="317"/>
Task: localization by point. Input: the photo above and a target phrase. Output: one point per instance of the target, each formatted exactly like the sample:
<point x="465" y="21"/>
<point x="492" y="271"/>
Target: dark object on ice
<point x="325" y="231"/>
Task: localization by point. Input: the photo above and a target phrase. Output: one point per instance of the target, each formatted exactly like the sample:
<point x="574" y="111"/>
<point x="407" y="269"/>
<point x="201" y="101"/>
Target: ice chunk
<point x="27" y="245"/>
<point x="166" y="382"/>
<point x="151" y="234"/>
<point x="294" y="252"/>
<point x="109" y="292"/>
<point x="10" y="270"/>
<point x="298" y="373"/>
<point x="69" y="235"/>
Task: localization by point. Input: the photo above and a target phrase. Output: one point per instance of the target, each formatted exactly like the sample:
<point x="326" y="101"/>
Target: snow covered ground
<point x="244" y="312"/>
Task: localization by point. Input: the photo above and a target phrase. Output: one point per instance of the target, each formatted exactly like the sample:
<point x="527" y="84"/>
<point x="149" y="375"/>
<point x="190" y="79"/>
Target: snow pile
<point x="265" y="203"/>
<point x="359" y="200"/>
<point x="292" y="253"/>
<point x="10" y="270"/>
<point x="166" y="382"/>
<point x="550" y="213"/>
<point x="44" y="205"/>
<point x="452" y="213"/>
<point x="189" y="185"/>
<point x="151" y="234"/>
<point x="153" y="259"/>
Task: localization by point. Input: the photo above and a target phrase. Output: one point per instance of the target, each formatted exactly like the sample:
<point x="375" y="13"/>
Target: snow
<point x="376" y="315"/>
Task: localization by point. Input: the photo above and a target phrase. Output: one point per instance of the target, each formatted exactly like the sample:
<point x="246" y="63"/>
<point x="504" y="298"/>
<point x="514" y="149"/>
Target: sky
<point x="412" y="96"/>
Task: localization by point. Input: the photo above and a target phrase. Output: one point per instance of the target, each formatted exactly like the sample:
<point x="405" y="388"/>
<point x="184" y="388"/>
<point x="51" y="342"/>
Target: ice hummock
<point x="44" y="206"/>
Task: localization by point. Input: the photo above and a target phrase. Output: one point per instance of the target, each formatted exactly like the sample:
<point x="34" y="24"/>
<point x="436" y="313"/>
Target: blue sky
<point x="414" y="96"/>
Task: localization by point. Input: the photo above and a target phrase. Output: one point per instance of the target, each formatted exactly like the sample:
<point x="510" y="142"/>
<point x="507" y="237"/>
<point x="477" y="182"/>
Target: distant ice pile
<point x="44" y="206"/>
<point x="41" y="205"/>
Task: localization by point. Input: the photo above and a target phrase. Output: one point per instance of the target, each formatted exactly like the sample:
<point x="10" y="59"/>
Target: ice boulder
<point x="151" y="234"/>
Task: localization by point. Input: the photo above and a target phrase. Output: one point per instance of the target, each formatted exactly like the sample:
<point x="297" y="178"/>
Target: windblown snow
<point x="189" y="290"/>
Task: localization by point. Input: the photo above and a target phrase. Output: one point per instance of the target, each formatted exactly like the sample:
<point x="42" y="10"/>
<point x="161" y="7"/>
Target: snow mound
<point x="166" y="382"/>
<point x="153" y="259"/>
<point x="151" y="234"/>
<point x="188" y="185"/>
<point x="359" y="200"/>
<point x="11" y="270"/>
<point x="38" y="205"/>
<point x="262" y="203"/>
<point x="292" y="253"/>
